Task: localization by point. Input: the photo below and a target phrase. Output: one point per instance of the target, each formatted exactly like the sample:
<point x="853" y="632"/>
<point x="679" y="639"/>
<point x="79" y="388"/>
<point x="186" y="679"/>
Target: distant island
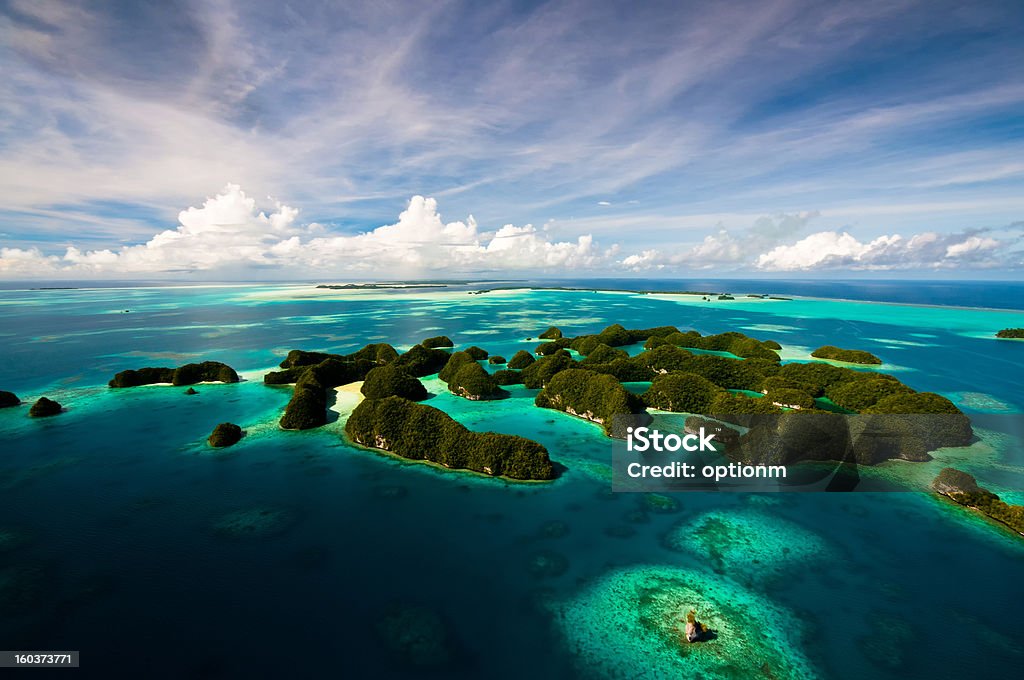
<point x="709" y="295"/>
<point x="1013" y="333"/>
<point x="376" y="286"/>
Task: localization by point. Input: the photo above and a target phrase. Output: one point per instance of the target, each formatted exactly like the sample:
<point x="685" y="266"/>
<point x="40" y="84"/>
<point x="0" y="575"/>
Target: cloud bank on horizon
<point x="740" y="136"/>
<point x="229" y="233"/>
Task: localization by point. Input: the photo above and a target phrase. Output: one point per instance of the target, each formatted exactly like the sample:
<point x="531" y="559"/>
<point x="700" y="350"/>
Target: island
<point x="438" y="341"/>
<point x="1011" y="333"/>
<point x="455" y="361"/>
<point x="682" y="393"/>
<point x="392" y="380"/>
<point x="378" y="286"/>
<point x="189" y="374"/>
<point x="496" y="360"/>
<point x="225" y="434"/>
<point x="552" y="333"/>
<point x="963" y="488"/>
<point x="521" y="359"/>
<point x="421" y="361"/>
<point x="593" y="396"/>
<point x="849" y="356"/>
<point x="787" y="413"/>
<point x="420" y="432"/>
<point x="472" y="381"/>
<point x="8" y="399"/>
<point x="44" y="407"/>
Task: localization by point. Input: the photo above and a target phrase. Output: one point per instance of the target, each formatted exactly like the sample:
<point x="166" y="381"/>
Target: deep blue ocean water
<point x="111" y="509"/>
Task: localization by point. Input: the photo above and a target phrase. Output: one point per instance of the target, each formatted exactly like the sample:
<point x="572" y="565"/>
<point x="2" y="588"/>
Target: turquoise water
<point x="124" y="536"/>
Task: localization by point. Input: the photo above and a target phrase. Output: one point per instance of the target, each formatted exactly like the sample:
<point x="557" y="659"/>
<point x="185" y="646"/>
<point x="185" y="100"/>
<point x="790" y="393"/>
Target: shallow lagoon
<point x="123" y="535"/>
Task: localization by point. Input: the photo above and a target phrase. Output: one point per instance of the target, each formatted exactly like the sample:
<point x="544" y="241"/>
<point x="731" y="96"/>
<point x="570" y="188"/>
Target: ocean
<point x="295" y="554"/>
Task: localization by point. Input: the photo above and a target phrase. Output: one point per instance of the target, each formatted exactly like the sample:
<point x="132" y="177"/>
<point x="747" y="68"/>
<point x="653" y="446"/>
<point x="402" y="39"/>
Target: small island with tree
<point x="1011" y="334"/>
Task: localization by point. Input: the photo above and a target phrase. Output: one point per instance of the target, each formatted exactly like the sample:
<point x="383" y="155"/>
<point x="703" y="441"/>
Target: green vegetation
<point x="821" y="378"/>
<point x="857" y="395"/>
<point x="189" y="374"/>
<point x="45" y="407"/>
<point x="207" y="371"/>
<point x="521" y="359"/>
<point x="378" y="353"/>
<point x="548" y="348"/>
<point x="963" y="489"/>
<point x="422" y="361"/>
<point x="225" y="434"/>
<point x="438" y="341"/>
<point x="682" y="393"/>
<point x="392" y="380"/>
<point x="308" y="406"/>
<point x="850" y="356"/>
<point x="603" y="354"/>
<point x="507" y="377"/>
<point x="473" y="382"/>
<point x="917" y="402"/>
<point x="496" y="360"/>
<point x="790" y="398"/>
<point x="594" y="396"/>
<point x="732" y="342"/>
<point x="8" y="399"/>
<point x="298" y="357"/>
<point x="681" y="380"/>
<point x="288" y="376"/>
<point x="1011" y="333"/>
<point x="421" y="432"/>
<point x="540" y="372"/>
<point x="726" y="404"/>
<point x="624" y="370"/>
<point x="455" y="362"/>
<point x="616" y="336"/>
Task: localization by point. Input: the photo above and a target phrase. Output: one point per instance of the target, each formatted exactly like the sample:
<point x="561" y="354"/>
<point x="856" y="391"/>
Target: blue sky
<point x="661" y="139"/>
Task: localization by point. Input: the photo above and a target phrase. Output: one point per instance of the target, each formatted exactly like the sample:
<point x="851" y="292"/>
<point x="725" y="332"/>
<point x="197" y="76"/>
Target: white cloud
<point x="725" y="247"/>
<point x="229" y="231"/>
<point x="928" y="250"/>
<point x="971" y="245"/>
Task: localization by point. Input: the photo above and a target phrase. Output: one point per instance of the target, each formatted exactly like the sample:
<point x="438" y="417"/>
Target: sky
<point x="273" y="140"/>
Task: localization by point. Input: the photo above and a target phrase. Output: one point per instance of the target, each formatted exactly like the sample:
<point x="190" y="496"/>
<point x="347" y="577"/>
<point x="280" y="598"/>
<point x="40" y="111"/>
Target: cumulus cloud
<point x="229" y="231"/>
<point x="928" y="250"/>
<point x="724" y="248"/>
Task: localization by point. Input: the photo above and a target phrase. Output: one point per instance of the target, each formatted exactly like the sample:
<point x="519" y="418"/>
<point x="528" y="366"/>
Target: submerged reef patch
<point x="632" y="623"/>
<point x="260" y="521"/>
<point x="748" y="545"/>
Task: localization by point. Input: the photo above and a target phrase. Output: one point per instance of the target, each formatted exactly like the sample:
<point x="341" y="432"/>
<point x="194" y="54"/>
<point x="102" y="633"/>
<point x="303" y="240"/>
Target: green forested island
<point x="802" y="412"/>
<point x="225" y="434"/>
<point x="1015" y="333"/>
<point x="850" y="356"/>
<point x="421" y="432"/>
<point x="963" y="488"/>
<point x="189" y="374"/>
